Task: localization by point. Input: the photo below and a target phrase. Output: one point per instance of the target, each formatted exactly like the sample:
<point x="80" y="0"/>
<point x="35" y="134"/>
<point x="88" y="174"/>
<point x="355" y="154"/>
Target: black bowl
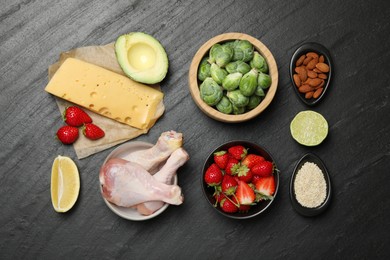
<point x="209" y="191"/>
<point x="321" y="50"/>
<point x="310" y="212"/>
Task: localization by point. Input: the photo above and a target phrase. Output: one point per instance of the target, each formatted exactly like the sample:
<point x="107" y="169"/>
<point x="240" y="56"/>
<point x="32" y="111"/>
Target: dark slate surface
<point x="356" y="152"/>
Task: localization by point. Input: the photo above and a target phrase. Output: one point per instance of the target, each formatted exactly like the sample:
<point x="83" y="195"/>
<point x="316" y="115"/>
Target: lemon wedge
<point x="309" y="128"/>
<point x="65" y="183"/>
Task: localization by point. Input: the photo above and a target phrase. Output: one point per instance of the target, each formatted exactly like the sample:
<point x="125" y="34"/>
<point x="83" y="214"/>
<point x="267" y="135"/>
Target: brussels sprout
<point x="230" y="43"/>
<point x="254" y="101"/>
<point x="264" y="80"/>
<point x="220" y="54"/>
<point x="232" y="81"/>
<point x="237" y="98"/>
<point x="223" y="55"/>
<point x="238" y="66"/>
<point x="258" y="62"/>
<point x="217" y="73"/>
<point x="243" y="50"/>
<point x="248" y="83"/>
<point x="238" y="110"/>
<point x="225" y="106"/>
<point x="204" y="69"/>
<point x="212" y="52"/>
<point x="259" y="91"/>
<point x="264" y="69"/>
<point x="210" y="92"/>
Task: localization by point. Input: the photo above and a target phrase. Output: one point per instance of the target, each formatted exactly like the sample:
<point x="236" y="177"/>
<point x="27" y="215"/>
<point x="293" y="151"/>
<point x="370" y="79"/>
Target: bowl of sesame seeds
<point x="310" y="186"/>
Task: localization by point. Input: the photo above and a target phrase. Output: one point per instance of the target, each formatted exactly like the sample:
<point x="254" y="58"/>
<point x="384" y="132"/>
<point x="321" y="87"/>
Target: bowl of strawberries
<point x="240" y="179"/>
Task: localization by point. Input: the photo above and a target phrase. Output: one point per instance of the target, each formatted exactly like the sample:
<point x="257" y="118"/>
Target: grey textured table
<point x="356" y="152"/>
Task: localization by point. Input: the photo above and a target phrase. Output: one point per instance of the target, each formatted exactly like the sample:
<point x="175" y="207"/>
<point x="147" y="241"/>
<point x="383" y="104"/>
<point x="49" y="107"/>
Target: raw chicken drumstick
<point x="165" y="175"/>
<point x="127" y="184"/>
<point x="150" y="158"/>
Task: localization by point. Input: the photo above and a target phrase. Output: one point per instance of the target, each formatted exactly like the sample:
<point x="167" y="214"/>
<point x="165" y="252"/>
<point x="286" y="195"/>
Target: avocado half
<point x="141" y="57"/>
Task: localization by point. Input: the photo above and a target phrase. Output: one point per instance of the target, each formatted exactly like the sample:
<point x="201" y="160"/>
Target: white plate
<point x="130" y="213"/>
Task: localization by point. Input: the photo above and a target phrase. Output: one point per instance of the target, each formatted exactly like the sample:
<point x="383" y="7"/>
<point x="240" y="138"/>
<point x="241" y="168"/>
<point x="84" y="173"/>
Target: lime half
<point x="309" y="128"/>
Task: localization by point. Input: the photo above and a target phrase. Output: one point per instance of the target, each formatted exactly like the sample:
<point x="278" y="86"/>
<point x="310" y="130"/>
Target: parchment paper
<point x="115" y="132"/>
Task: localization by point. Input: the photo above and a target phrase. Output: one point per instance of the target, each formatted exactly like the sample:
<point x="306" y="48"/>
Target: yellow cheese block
<point x="105" y="92"/>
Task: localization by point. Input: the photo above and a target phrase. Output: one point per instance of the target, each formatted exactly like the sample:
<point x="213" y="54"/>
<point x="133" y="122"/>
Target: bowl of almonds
<point x="311" y="71"/>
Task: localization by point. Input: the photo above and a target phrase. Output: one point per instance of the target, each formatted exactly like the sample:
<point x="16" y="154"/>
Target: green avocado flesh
<point x="141" y="57"/>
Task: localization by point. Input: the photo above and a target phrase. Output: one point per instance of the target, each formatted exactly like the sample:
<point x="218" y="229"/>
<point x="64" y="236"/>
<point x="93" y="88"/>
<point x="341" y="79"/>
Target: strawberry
<point x="75" y="116"/>
<point x="228" y="206"/>
<point x="241" y="207"/>
<point x="92" y="131"/>
<point x="263" y="169"/>
<point x="244" y="174"/>
<point x="213" y="175"/>
<point x="244" y="193"/>
<point x="232" y="166"/>
<point x="252" y="159"/>
<point x="229" y="185"/>
<point x="221" y="159"/>
<point x="68" y="134"/>
<point x="266" y="187"/>
<point x="238" y="152"/>
<point x="255" y="178"/>
<point x="218" y="196"/>
<point x="244" y="208"/>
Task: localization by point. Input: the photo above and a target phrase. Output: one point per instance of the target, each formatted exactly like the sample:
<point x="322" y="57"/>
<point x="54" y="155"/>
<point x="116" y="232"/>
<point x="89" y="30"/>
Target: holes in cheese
<point x="105" y="92"/>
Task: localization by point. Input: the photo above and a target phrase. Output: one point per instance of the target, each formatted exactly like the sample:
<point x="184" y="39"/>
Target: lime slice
<point x="65" y="184"/>
<point x="309" y="128"/>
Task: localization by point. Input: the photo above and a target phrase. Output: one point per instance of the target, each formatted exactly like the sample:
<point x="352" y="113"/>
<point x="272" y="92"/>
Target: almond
<point x="321" y="84"/>
<point x="312" y="54"/>
<point x="312" y="64"/>
<point x="322" y="76"/>
<point x="297" y="80"/>
<point x="311" y="74"/>
<point x="305" y="88"/>
<point x="302" y="73"/>
<point x="314" y="82"/>
<point x="317" y="70"/>
<point x="309" y="94"/>
<point x="300" y="60"/>
<point x="307" y="60"/>
<point x="299" y="69"/>
<point x="318" y="92"/>
<point x="321" y="59"/>
<point x="303" y="76"/>
<point x="322" y="67"/>
<point x="306" y="81"/>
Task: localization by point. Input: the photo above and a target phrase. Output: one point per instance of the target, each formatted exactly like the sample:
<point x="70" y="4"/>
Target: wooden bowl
<point x="194" y="83"/>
